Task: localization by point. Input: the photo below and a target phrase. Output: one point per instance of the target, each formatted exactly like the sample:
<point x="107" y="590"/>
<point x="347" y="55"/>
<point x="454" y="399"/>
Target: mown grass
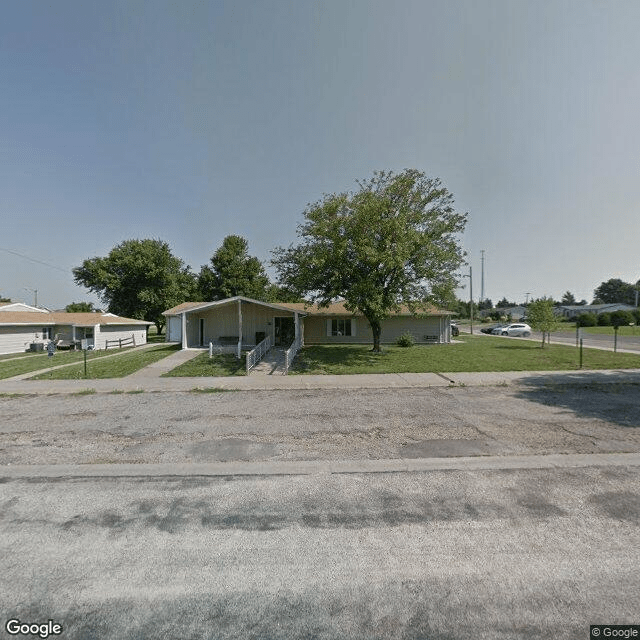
<point x="21" y="354"/>
<point x="605" y="331"/>
<point x="473" y="353"/>
<point x="118" y="366"/>
<point x="43" y="361"/>
<point x="222" y="364"/>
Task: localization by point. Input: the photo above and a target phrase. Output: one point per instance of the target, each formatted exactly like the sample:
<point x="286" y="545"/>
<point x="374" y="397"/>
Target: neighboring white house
<point x="246" y="322"/>
<point x="22" y="326"/>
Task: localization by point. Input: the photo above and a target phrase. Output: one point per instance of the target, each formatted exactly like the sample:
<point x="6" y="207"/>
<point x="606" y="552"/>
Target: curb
<point x="314" y="467"/>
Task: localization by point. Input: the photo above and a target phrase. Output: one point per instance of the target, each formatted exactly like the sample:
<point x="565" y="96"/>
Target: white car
<point x="516" y="329"/>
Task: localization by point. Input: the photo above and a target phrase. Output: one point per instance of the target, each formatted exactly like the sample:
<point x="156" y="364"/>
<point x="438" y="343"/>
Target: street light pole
<point x="464" y="275"/>
<point x="471" y="298"/>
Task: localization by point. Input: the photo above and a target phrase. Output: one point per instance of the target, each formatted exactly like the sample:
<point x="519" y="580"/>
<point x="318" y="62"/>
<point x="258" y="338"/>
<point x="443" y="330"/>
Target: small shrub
<point x="621" y="318"/>
<point x="604" y="319"/>
<point x="587" y="320"/>
<point x="405" y="340"/>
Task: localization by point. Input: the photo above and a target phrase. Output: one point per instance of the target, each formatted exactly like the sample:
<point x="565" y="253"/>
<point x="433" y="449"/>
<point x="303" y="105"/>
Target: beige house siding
<point x="114" y="332"/>
<point x="316" y="330"/>
<point x="222" y="321"/>
<point x="17" y="339"/>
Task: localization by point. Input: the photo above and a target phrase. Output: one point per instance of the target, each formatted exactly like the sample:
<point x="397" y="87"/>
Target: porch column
<point x="239" y="329"/>
<point x="296" y="327"/>
<point x="183" y="320"/>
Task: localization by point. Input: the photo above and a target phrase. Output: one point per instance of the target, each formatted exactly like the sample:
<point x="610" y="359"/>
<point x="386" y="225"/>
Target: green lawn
<point x="224" y="364"/>
<point x="607" y="331"/>
<point x="22" y="354"/>
<point x="42" y="361"/>
<point x="119" y="366"/>
<point x="473" y="353"/>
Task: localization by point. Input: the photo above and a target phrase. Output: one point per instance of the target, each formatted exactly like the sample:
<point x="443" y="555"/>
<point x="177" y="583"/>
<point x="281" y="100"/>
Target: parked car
<point x="455" y="330"/>
<point x="516" y="329"/>
<point x="491" y="328"/>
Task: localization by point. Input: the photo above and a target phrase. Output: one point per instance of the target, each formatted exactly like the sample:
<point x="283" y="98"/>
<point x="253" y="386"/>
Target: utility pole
<point x="482" y="277"/>
<point x="35" y="292"/>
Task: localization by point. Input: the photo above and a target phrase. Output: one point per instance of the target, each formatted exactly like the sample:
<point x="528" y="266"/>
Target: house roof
<point x="596" y="307"/>
<point x="6" y="307"/>
<point x="334" y="309"/>
<point x="186" y="307"/>
<point x="62" y="317"/>
<point x="338" y="309"/>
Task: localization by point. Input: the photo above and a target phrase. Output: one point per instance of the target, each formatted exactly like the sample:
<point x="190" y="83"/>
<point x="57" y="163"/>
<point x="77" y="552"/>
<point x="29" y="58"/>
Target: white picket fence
<point x="257" y="353"/>
<point x="290" y="354"/>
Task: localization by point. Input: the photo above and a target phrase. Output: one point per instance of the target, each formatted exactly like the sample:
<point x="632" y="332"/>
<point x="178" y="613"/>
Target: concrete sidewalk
<point x="153" y="383"/>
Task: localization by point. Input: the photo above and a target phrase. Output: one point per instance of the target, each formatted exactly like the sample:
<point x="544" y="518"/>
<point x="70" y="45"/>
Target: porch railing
<point x="290" y="354"/>
<point x="257" y="353"/>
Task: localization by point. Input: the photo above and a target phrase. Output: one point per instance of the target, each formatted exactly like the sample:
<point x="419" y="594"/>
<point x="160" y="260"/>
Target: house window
<point x="341" y="327"/>
<point x="47" y="333"/>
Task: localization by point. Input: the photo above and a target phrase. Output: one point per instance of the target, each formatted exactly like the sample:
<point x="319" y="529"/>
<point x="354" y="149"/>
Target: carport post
<point x="184" y="330"/>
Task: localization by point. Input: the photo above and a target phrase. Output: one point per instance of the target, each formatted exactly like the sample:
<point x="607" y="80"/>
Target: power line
<point x="46" y="264"/>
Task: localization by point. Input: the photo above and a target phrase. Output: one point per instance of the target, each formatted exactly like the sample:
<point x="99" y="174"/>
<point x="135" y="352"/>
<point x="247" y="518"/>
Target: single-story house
<point x="245" y="322"/>
<point x="574" y="310"/>
<point x="22" y="325"/>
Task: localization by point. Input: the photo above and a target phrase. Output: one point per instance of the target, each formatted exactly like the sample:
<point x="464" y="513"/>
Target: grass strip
<point x="119" y="366"/>
<point x="222" y="364"/>
<point x="43" y="361"/>
<point x="473" y="353"/>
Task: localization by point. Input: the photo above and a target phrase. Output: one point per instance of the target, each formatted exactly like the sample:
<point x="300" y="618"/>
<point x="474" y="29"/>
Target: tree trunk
<point x="543" y="336"/>
<point x="376" y="329"/>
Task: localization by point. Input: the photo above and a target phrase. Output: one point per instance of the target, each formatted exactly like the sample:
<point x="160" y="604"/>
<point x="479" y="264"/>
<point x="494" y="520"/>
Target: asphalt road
<point x="485" y="554"/>
<point x="501" y="553"/>
<point x="534" y="417"/>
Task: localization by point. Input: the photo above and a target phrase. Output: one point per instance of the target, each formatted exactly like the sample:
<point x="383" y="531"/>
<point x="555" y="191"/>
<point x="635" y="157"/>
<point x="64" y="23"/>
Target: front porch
<point x="239" y="324"/>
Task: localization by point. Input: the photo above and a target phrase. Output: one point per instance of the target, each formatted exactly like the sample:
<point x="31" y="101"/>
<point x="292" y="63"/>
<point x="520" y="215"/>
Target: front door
<point x="285" y="331"/>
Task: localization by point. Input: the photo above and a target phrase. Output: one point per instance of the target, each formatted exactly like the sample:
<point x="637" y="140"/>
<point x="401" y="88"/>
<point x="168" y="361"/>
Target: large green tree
<point x="233" y="272"/>
<point x="138" y="279"/>
<point x="393" y="241"/>
<point x="541" y="316"/>
<point x="615" y="290"/>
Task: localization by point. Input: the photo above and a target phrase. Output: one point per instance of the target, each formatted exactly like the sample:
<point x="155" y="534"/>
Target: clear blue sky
<point x="188" y="121"/>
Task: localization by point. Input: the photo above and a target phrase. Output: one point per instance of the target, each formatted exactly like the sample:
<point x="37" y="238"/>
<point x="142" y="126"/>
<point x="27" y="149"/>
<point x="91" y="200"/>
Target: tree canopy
<point x="615" y="290"/>
<point x="541" y="317"/>
<point x="233" y="272"/>
<point x="391" y="242"/>
<point x="138" y="279"/>
<point x="80" y="307"/>
<point x="568" y="298"/>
